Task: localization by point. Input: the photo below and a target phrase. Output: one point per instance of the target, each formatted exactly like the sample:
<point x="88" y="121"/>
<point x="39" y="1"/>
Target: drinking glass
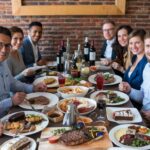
<point x="101" y="104"/>
<point x="99" y="81"/>
<point x="61" y="80"/>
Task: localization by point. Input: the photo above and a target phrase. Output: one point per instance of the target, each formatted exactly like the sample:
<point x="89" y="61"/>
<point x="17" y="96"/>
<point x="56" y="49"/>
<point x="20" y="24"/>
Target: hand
<point x="18" y="98"/>
<point x="117" y="66"/>
<point x="30" y="72"/>
<point x="40" y="87"/>
<point x="1" y="128"/>
<point x="125" y="87"/>
<point x="42" y="62"/>
<point x="146" y="115"/>
<point x="105" y="61"/>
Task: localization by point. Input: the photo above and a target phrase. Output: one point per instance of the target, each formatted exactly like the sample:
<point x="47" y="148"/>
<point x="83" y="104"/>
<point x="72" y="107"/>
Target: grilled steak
<point x="75" y="137"/>
<point x="40" y="100"/>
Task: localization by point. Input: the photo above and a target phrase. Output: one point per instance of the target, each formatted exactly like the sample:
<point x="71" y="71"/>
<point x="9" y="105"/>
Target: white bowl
<point x="87" y="103"/>
<point x="73" y="92"/>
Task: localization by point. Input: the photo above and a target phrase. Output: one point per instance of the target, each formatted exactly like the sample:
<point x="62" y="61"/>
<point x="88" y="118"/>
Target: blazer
<point x="27" y="53"/>
<point x="103" y="49"/>
<point x="136" y="78"/>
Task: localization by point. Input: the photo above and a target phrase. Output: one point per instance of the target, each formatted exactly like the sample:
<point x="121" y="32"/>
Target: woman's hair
<point x="138" y="32"/>
<point x="16" y="29"/>
<point x="126" y="27"/>
<point x="147" y="36"/>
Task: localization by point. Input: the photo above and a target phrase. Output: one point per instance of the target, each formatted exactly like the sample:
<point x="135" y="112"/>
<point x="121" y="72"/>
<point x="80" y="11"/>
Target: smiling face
<point x="136" y="45"/>
<point x="108" y="31"/>
<point x="16" y="41"/>
<point x="147" y="48"/>
<point x="122" y="37"/>
<point x="5" y="46"/>
<point x="35" y="32"/>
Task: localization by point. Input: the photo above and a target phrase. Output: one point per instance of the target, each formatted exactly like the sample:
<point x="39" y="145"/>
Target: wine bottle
<point x="92" y="57"/>
<point x="63" y="49"/>
<point x="60" y="60"/>
<point x="79" y="58"/>
<point x="86" y="49"/>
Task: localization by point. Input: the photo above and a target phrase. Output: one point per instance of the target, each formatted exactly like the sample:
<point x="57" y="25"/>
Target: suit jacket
<point x="103" y="49"/>
<point x="136" y="77"/>
<point x="27" y="53"/>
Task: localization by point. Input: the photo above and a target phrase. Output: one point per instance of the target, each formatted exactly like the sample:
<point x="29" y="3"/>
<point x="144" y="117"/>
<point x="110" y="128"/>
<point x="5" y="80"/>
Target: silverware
<point x="30" y="104"/>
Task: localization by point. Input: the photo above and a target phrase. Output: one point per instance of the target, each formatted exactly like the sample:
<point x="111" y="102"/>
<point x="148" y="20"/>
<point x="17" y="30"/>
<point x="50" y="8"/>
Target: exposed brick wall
<point x="76" y="28"/>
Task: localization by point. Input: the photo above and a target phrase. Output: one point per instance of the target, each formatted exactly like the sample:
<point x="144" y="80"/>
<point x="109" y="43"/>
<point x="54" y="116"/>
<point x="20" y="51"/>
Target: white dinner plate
<point x="85" y="102"/>
<point x="41" y="79"/>
<point x="121" y="94"/>
<point x="118" y="79"/>
<point x="39" y="127"/>
<point x="53" y="100"/>
<point x="7" y="145"/>
<point x="118" y="131"/>
<point x="136" y="115"/>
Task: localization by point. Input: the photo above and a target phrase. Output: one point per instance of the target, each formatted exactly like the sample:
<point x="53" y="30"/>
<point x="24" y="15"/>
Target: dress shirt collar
<point x="110" y="42"/>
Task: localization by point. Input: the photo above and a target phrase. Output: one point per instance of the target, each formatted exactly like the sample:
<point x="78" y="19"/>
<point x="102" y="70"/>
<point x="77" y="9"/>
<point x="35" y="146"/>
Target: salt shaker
<point x="70" y="115"/>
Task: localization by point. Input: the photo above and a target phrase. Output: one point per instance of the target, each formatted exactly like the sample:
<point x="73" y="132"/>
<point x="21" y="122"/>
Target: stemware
<point x="101" y="104"/>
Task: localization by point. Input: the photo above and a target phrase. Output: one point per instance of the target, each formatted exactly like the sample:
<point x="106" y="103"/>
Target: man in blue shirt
<point x="7" y="82"/>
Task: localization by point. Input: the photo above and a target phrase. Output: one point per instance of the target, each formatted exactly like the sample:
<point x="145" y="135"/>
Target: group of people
<point x="128" y="52"/>
<point x="125" y="49"/>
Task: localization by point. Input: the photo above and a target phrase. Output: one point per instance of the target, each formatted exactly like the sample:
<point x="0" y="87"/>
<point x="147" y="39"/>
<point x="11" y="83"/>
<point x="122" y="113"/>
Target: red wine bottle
<point x="60" y="60"/>
<point x="92" y="57"/>
<point x="63" y="49"/>
<point x="86" y="49"/>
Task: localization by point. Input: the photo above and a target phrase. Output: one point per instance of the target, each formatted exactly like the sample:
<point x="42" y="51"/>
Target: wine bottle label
<point x="57" y="60"/>
<point x="86" y="51"/>
<point x="92" y="55"/>
<point x="62" y="60"/>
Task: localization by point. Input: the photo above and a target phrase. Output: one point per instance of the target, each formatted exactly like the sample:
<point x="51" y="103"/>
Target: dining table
<point x="109" y="125"/>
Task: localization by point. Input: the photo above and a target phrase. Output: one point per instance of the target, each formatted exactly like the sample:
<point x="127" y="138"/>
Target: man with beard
<point x="30" y="50"/>
<point x="142" y="95"/>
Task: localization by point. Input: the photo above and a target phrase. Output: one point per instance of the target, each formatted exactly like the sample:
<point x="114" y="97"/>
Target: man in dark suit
<point x="107" y="52"/>
<point x="29" y="49"/>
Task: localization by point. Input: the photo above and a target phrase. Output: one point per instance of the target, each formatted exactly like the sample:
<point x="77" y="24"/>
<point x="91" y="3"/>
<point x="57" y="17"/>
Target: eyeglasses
<point x="108" y="30"/>
<point x="7" y="46"/>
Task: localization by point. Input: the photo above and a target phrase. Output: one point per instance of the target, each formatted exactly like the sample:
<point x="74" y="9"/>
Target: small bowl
<point x="72" y="91"/>
<point x="86" y="120"/>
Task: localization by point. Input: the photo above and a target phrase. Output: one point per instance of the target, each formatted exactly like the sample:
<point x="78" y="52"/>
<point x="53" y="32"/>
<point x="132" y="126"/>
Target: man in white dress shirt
<point x="107" y="52"/>
<point x="143" y="95"/>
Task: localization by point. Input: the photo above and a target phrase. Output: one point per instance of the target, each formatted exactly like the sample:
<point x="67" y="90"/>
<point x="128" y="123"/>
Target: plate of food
<point x="24" y="123"/>
<point x="111" y="97"/>
<point x="39" y="100"/>
<point x="19" y="143"/>
<point x="50" y="81"/>
<point x="84" y="105"/>
<point x="131" y="136"/>
<point x="101" y="66"/>
<point x="123" y="115"/>
<point x="72" y="91"/>
<point x="109" y="79"/>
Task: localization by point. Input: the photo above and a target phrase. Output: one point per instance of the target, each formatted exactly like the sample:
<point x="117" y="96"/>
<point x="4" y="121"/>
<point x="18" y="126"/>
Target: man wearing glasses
<point x="7" y="82"/>
<point x="107" y="53"/>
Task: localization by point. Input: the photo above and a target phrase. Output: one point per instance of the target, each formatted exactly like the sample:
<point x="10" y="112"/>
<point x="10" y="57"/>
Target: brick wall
<point x="76" y="28"/>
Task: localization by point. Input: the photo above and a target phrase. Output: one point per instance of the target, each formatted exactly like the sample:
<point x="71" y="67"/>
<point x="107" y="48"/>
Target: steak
<point x="40" y="100"/>
<point x="75" y="137"/>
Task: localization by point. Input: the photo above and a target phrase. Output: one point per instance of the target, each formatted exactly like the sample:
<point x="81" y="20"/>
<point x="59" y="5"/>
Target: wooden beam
<point x="22" y="10"/>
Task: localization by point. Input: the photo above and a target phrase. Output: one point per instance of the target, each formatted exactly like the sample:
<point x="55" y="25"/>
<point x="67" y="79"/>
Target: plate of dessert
<point x="84" y="105"/>
<point x="39" y="100"/>
<point x="19" y="143"/>
<point x="109" y="79"/>
<point x="123" y="115"/>
<point x="24" y="123"/>
<point x="131" y="136"/>
<point x="111" y="97"/>
<point x="50" y="81"/>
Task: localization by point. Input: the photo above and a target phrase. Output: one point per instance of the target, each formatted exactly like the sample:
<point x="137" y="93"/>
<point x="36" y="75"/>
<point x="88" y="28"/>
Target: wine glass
<point x="99" y="81"/>
<point x="101" y="104"/>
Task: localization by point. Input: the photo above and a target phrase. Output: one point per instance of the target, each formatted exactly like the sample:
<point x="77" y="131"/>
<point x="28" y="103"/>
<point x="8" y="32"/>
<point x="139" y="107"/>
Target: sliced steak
<point x="75" y="137"/>
<point x="40" y="100"/>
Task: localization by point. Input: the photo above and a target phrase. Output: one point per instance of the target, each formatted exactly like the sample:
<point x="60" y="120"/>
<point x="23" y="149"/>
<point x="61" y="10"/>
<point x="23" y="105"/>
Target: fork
<point x="30" y="104"/>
